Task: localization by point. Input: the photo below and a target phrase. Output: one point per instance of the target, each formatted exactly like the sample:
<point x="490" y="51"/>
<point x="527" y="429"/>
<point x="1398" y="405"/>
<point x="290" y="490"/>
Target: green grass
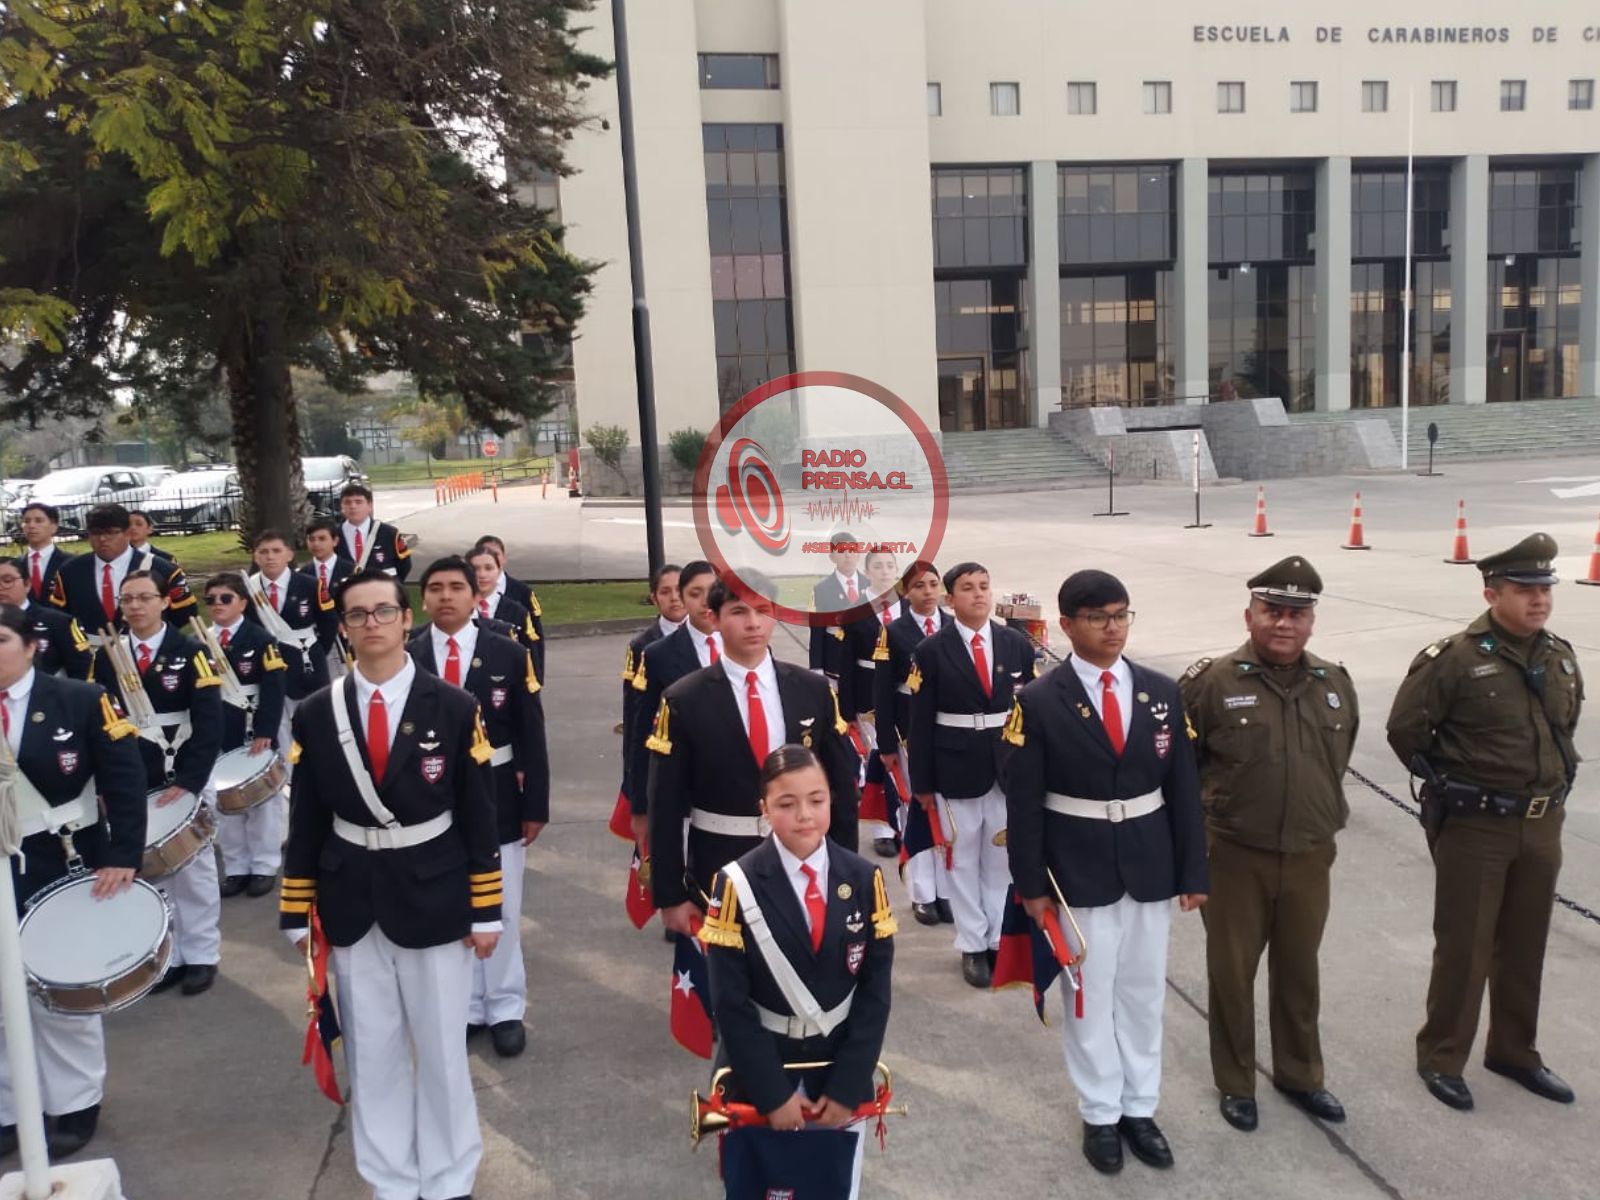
<point x="199" y="553"/>
<point x="425" y="472"/>
<point x="577" y="603"/>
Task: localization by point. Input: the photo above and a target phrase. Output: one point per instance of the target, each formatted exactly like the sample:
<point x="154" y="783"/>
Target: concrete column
<point x="1589" y="279"/>
<point x="1469" y="279"/>
<point x="1044" y="293"/>
<point x="1333" y="286"/>
<point x="1191" y="366"/>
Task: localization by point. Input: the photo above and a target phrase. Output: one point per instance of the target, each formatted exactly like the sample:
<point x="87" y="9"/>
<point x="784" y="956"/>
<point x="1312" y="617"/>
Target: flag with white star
<point x="691" y="998"/>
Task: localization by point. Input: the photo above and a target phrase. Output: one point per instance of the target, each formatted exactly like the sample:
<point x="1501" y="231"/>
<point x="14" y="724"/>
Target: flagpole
<point x="1405" y="294"/>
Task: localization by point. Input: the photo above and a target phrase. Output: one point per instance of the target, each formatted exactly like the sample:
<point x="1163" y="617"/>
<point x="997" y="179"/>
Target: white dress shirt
<point x="1122" y="687"/>
<point x="893" y="610"/>
<point x="767" y="689"/>
<point x="44" y="555"/>
<point x="818" y="862"/>
<point x="701" y="649"/>
<point x="844" y="586"/>
<point x="120" y="566"/>
<point x="938" y="618"/>
<point x="348" y="531"/>
<point x="154" y="642"/>
<point x="231" y="630"/>
<point x="16" y="705"/>
<point x="987" y="630"/>
<point x="466" y="642"/>
<point x="283" y="589"/>
<point x="669" y="627"/>
<point x="396" y="690"/>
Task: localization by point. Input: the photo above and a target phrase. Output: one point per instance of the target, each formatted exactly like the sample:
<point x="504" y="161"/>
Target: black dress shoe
<point x="1240" y="1112"/>
<point x="172" y="978"/>
<point x="1145" y="1139"/>
<point x="945" y="915"/>
<point x="73" y="1131"/>
<point x="232" y="885"/>
<point x="925" y="914"/>
<point x="197" y="979"/>
<point x="509" y="1038"/>
<point x="8" y="1140"/>
<point x="1102" y="1147"/>
<point x="1448" y="1089"/>
<point x="260" y="885"/>
<point x="1541" y="1081"/>
<point x="1319" y="1102"/>
<point x="975" y="969"/>
<point x="993" y="956"/>
<point x="474" y="1028"/>
<point x="885" y="847"/>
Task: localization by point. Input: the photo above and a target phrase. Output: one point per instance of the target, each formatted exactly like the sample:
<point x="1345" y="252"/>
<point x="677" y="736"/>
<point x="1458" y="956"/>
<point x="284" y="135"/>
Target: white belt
<point x="396" y="838"/>
<point x="501" y="756"/>
<point x="160" y="722"/>
<point x="801" y="1027"/>
<point x="250" y="689"/>
<point x="727" y="826"/>
<point x="1104" y="810"/>
<point x="300" y="637"/>
<point x="972" y="720"/>
<point x="866" y="664"/>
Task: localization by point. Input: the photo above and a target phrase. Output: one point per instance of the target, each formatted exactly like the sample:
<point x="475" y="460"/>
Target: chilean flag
<point x="638" y="901"/>
<point x="322" y="1028"/>
<point x="691" y="998"/>
<point x="1031" y="956"/>
<point x="621" y="822"/>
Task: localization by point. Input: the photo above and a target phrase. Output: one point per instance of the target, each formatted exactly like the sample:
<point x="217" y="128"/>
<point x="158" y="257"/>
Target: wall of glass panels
<point x="1535" y="290"/>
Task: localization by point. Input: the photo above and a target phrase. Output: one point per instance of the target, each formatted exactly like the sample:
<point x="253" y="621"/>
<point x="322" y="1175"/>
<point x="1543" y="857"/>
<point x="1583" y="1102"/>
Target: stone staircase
<point x="1011" y="460"/>
<point x="1531" y="428"/>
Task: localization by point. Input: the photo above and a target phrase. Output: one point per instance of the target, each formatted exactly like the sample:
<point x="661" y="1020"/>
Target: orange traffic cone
<point x="1593" y="578"/>
<point x="1260" y="528"/>
<point x="1458" y="548"/>
<point x="1357" y="539"/>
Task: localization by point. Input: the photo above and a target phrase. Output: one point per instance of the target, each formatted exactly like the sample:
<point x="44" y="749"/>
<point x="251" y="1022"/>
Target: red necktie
<point x="483" y="607"/>
<point x="758" y="719"/>
<point x="927" y="625"/>
<point x="358" y="545"/>
<point x="108" y="598"/>
<point x="322" y="581"/>
<point x="272" y="595"/>
<point x="1111" y="711"/>
<point x="5" y="715"/>
<point x="711" y="644"/>
<point x="980" y="663"/>
<point x="816" y="906"/>
<point x="377" y="735"/>
<point x="224" y="637"/>
<point x="850" y="593"/>
<point x="452" y="662"/>
<point x="36" y="583"/>
<point x="884" y="616"/>
<point x="144" y="657"/>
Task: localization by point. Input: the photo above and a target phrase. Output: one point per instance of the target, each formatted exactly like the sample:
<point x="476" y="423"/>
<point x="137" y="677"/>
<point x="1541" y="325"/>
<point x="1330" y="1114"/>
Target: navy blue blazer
<point x="48" y="570"/>
<point x="962" y="763"/>
<point x="255" y="659"/>
<point x="631" y="662"/>
<point x="59" y="645"/>
<point x="665" y="661"/>
<point x="858" y="667"/>
<point x="181" y="681"/>
<point x="1061" y="746"/>
<point x="827" y="644"/>
<point x="302" y="608"/>
<point x="890" y="706"/>
<point x="77" y="590"/>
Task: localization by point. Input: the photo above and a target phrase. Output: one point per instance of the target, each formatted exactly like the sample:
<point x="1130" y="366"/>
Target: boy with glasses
<point x="89" y="586"/>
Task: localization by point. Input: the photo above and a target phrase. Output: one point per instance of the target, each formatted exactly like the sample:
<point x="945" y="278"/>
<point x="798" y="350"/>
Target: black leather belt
<point x="1474" y="801"/>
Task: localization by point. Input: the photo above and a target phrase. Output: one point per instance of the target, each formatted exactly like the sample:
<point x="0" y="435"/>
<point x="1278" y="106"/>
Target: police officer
<point x="1486" y="717"/>
<point x="1274" y="728"/>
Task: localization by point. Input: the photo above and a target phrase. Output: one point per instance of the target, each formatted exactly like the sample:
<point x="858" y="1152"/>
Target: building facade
<point x="998" y="209"/>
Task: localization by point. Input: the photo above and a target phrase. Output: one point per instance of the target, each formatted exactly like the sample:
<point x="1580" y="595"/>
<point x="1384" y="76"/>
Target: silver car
<point x="75" y="490"/>
<point x="210" y="498"/>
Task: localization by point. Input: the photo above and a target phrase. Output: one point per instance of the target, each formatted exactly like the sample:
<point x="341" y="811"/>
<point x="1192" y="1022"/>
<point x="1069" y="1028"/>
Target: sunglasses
<point x="220" y="598"/>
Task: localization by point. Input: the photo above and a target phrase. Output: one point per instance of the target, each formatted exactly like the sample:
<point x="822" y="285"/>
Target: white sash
<point x="352" y="758"/>
<point x="794" y="990"/>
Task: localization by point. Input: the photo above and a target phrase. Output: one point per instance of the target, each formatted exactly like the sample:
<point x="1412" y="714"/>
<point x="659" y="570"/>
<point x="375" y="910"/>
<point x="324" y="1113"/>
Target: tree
<point x="203" y="195"/>
<point x="608" y="443"/>
<point x="431" y="422"/>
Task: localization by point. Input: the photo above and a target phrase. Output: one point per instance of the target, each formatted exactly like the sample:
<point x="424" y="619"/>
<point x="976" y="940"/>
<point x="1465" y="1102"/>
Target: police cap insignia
<point x="1530" y="561"/>
<point x="1292" y="582"/>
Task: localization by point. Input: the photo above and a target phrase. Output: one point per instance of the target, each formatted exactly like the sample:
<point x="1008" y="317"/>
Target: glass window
<point x="1005" y="99"/>
<point x="1230" y="97"/>
<point x="1533" y="210"/>
<point x="541" y="187"/>
<point x="1117" y="213"/>
<point x="981" y="336"/>
<point x="1443" y="95"/>
<point x="935" y="100"/>
<point x="1580" y="94"/>
<point x="1260" y="216"/>
<point x="1513" y="95"/>
<point x="1303" y="96"/>
<point x="1116" y="338"/>
<point x="1081" y="101"/>
<point x="1375" y="96"/>
<point x="980" y="216"/>
<point x="1376" y="316"/>
<point x="741" y="71"/>
<point x="1378" y="213"/>
<point x="1263" y="333"/>
<point x="1157" y="96"/>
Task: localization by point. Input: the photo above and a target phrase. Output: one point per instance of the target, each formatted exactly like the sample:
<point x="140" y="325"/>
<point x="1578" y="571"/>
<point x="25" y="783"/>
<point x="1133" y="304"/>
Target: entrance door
<point x="1506" y="366"/>
<point x="963" y="395"/>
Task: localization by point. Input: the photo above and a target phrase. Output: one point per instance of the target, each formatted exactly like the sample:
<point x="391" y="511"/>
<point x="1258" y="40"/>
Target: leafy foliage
<point x="685" y="446"/>
<point x="608" y="443"/>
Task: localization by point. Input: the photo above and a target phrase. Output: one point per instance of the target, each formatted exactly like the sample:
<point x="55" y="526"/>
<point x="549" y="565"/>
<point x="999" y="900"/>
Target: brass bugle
<point x="1066" y="910"/>
<point x="714" y="1113"/>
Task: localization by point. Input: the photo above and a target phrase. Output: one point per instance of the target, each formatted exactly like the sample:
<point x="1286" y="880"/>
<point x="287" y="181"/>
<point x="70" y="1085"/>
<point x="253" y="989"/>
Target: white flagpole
<point x="1405" y="302"/>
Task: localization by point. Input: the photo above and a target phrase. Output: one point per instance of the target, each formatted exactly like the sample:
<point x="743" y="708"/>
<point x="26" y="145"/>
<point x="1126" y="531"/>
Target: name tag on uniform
<point x="1240" y="701"/>
<point x="1484" y="669"/>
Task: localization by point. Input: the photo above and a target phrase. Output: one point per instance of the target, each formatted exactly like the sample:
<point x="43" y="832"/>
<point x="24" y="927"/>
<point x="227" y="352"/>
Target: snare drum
<point x="244" y="780"/>
<point x="85" y="956"/>
<point x="175" y="835"/>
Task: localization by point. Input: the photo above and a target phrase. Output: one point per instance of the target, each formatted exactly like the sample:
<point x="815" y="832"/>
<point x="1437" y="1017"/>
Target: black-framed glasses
<point x="384" y="614"/>
<point x="1099" y="620"/>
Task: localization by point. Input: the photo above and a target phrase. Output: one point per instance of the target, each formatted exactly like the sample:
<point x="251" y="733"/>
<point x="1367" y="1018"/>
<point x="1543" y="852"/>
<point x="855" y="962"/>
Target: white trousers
<point x="414" y="1120"/>
<point x="252" y="841"/>
<point x="196" y="906"/>
<point x="285" y="741"/>
<point x="926" y="878"/>
<point x="71" y="1054"/>
<point x="979" y="870"/>
<point x="1114" y="1051"/>
<point x="500" y="982"/>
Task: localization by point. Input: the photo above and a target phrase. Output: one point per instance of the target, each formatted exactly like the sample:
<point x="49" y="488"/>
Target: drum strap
<point x="352" y="757"/>
<point x="809" y="1013"/>
<point x="38" y="815"/>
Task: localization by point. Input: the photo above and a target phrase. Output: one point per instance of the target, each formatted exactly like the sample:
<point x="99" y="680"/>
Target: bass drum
<point x="85" y="956"/>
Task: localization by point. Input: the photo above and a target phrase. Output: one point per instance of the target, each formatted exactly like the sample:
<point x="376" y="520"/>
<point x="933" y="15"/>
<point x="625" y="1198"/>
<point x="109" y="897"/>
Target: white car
<point x="207" y="498"/>
<point x="75" y="490"/>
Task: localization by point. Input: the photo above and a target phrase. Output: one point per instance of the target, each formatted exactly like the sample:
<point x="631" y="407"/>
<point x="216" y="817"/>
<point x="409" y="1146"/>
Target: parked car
<point x="75" y="490"/>
<point x="327" y="477"/>
<point x="206" y="498"/>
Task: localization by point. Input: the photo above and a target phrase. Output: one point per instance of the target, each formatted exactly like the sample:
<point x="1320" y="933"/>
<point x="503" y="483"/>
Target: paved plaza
<point x="206" y="1095"/>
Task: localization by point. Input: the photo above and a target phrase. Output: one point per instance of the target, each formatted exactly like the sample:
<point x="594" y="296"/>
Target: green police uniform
<point x="1487" y="718"/>
<point x="1273" y="743"/>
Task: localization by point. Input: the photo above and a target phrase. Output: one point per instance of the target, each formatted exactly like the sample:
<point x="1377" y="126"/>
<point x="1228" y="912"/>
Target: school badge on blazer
<point x="497" y="697"/>
<point x="67" y="760"/>
<point x="433" y="767"/>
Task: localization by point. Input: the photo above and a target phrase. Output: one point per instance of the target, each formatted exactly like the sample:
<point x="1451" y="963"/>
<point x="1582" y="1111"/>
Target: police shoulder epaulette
<point x="529" y="630"/>
<point x="883" y="923"/>
<point x="1013" y="730"/>
<point x="117" y="727"/>
<point x="639" y="683"/>
<point x="722" y="926"/>
<point x="530" y="675"/>
<point x="79" y="642"/>
<point x="659" y="740"/>
<point x="880" y="652"/>
<point x="1197" y="669"/>
<point x="914" y="679"/>
<point x="1558" y="640"/>
<point x="205" y="676"/>
<point x="840" y="725"/>
<point x="627" y="665"/>
<point x="272" y="660"/>
<point x="481" y="750"/>
<point x="1439" y="647"/>
<point x="294" y="753"/>
<point x="533" y="603"/>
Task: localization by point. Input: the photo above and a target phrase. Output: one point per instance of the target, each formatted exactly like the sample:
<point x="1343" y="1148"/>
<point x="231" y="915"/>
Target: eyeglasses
<point x="384" y="614"/>
<point x="140" y="598"/>
<point x="1099" y="620"/>
<point x="221" y="598"/>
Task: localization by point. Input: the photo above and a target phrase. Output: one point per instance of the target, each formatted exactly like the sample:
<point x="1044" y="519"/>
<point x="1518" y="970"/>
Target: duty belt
<point x="1469" y="800"/>
<point x="726" y="825"/>
<point x="398" y="837"/>
<point x="972" y="720"/>
<point x="1115" y="811"/>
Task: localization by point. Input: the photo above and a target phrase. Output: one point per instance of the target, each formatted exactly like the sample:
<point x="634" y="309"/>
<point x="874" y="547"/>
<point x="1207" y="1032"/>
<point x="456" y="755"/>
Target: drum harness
<point x="165" y="730"/>
<point x="392" y="835"/>
<point x="24" y="812"/>
<point x="280" y="629"/>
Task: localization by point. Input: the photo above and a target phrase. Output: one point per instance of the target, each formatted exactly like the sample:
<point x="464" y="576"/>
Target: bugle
<point x="716" y="1113"/>
<point x="134" y="700"/>
<point x="232" y="690"/>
